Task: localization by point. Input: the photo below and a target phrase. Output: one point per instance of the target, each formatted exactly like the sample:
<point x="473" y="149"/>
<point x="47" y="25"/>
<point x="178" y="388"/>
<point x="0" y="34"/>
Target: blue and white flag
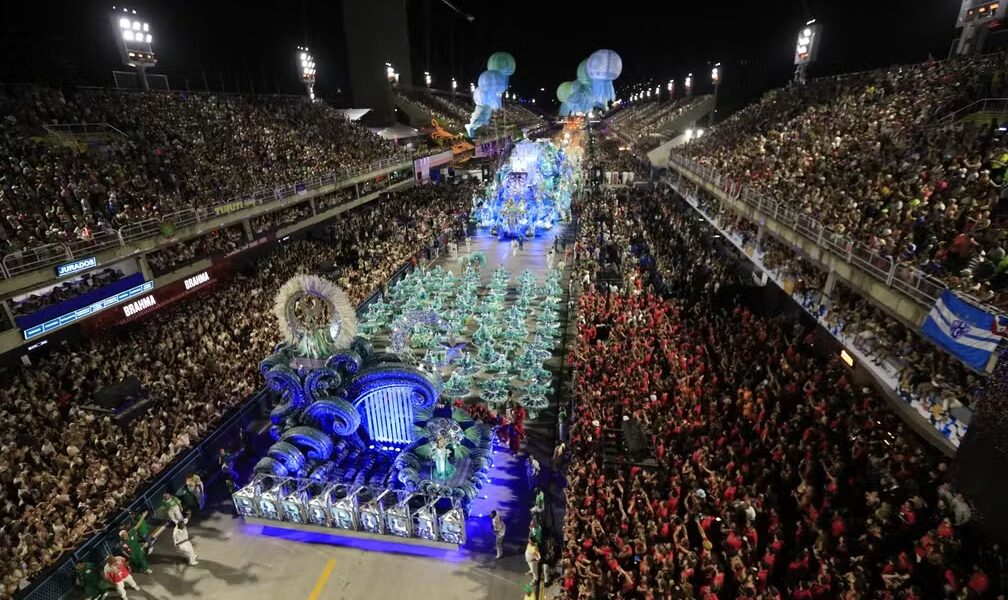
<point x="963" y="329"/>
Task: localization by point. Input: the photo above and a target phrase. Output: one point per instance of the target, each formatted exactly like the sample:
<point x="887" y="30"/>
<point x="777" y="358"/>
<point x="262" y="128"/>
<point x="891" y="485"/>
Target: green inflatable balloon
<point x="502" y="62"/>
<point x="564" y="90"/>
<point x="582" y="72"/>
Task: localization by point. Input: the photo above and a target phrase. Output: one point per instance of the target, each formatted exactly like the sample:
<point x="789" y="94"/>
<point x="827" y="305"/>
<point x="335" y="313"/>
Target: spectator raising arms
<point x="776" y="476"/>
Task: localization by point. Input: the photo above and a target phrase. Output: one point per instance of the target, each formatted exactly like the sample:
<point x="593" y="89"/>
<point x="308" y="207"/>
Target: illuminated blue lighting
<point x="390" y="546"/>
<point x="87" y="311"/>
<point x="389" y="414"/>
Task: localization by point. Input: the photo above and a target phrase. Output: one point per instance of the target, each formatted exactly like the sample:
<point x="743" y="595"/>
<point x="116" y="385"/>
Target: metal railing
<point x="910" y="281"/>
<point x="992" y="105"/>
<point x="82" y="129"/>
<point x="48" y="255"/>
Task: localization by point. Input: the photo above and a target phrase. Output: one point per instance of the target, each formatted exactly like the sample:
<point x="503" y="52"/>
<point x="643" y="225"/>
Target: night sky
<point x="250" y="45"/>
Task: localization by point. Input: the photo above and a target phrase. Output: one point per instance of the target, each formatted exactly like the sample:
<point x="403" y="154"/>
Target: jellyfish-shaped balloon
<point x="492" y="81"/>
<point x="479" y="118"/>
<point x="604" y="66"/>
<point x="582" y="72"/>
<point x="502" y="62"/>
<point x="485" y="97"/>
<point x="565" y="109"/>
<point x="581" y="98"/>
<point x="564" y="90"/>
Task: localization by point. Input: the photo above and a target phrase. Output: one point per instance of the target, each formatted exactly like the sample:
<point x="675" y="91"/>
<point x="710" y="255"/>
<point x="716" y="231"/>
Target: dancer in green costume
<point x="132" y="548"/>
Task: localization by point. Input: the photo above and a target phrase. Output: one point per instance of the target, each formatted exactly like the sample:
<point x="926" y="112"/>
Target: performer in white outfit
<point x="499" y="529"/>
<point x="180" y="535"/>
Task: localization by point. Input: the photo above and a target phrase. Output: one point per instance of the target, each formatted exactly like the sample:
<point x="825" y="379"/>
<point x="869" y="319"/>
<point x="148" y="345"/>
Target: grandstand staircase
<point x="417" y="115"/>
<point x="670" y="134"/>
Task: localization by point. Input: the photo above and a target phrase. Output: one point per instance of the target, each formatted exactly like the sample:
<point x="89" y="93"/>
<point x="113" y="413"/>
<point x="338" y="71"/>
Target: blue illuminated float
<point x="360" y="441"/>
<point x="530" y="193"/>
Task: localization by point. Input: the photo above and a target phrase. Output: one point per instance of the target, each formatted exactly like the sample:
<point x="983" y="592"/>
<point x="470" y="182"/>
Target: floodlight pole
<point x="716" y="79"/>
<point x="142" y="75"/>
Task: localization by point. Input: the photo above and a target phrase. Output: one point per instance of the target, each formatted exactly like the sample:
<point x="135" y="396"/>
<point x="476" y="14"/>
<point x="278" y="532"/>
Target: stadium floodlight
<point x="134" y="40"/>
<point x="806" y="49"/>
<point x="427" y="78"/>
<point x="689" y="84"/>
<point x="390" y="74"/>
<point x="977" y="19"/>
<point x="307" y="64"/>
<point x="671" y="87"/>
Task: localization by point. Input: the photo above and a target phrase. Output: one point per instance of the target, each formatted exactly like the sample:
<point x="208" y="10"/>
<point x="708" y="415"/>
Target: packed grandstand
<point x="765" y="468"/>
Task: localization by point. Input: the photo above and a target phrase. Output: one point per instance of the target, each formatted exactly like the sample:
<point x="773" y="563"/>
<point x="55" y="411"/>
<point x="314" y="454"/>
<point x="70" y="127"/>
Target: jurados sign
<point x="80" y="265"/>
<point x="197" y="280"/>
<point x="139" y="306"/>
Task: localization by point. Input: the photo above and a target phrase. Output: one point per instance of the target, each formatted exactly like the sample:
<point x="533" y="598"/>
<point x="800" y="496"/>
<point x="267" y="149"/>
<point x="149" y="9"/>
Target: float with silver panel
<point x="361" y="444"/>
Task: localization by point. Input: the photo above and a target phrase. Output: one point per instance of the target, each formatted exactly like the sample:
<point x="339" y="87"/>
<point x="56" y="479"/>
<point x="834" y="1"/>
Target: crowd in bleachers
<point x="166" y="152"/>
<point x="279" y="218"/>
<point x="64" y="469"/>
<point x="222" y="241"/>
<point x="870" y="156"/>
<point x="930" y="381"/>
<point x="612" y="155"/>
<point x="454" y="112"/>
<point x="773" y="476"/>
<point x="641" y="121"/>
<point x="451" y="116"/>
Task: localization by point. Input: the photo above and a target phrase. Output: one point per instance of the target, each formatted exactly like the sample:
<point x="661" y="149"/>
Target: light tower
<point x="689" y="85"/>
<point x="307" y="63"/>
<point x="671" y="88"/>
<point x="454" y="86"/>
<point x="427" y="78"/>
<point x="807" y="49"/>
<point x="976" y="17"/>
<point x="134" y="39"/>
<point x="715" y="76"/>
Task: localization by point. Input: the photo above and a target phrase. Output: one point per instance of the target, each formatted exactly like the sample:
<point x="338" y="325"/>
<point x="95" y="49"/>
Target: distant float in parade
<point x="530" y="193"/>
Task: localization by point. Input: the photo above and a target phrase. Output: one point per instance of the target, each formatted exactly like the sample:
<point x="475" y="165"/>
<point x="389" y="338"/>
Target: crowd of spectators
<point x="612" y="155"/>
<point x="164" y="152"/>
<point x="451" y="116"/>
<point x="870" y="156"/>
<point x="64" y="291"/>
<point x="936" y="385"/>
<point x="64" y="470"/>
<point x="771" y="474"/>
<point x="644" y="119"/>
<point x="279" y="218"/>
<point x="222" y="241"/>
